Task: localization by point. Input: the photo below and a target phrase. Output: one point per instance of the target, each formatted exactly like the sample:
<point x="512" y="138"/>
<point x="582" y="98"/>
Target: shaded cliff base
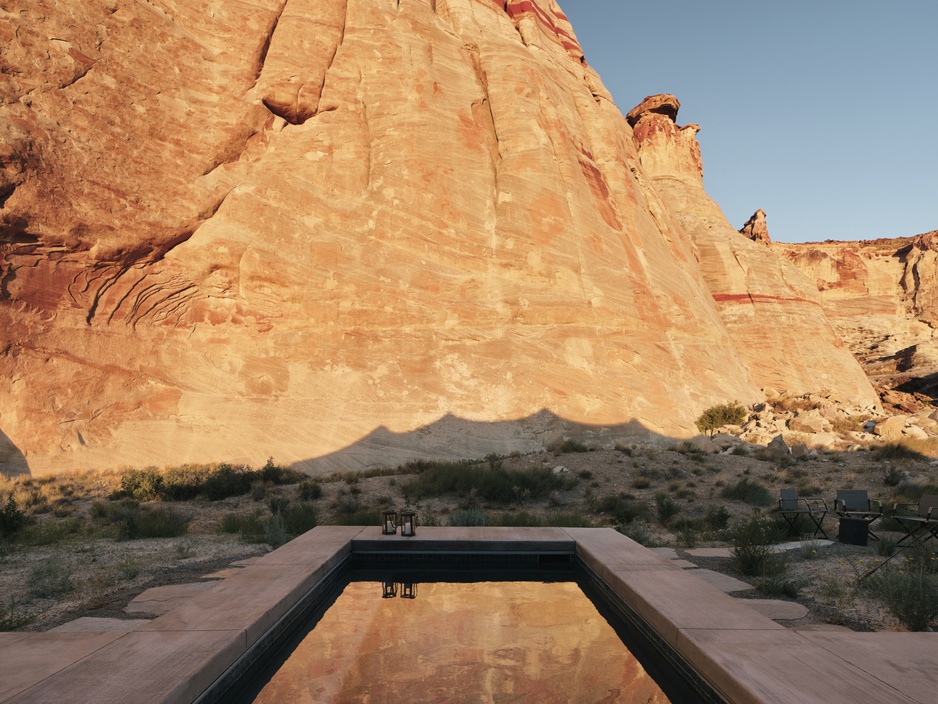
<point x="793" y="423"/>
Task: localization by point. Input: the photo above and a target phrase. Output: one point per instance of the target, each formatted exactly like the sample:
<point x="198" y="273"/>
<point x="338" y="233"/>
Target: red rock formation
<point x="232" y="231"/>
<point x="771" y="310"/>
<point x="756" y="228"/>
<point x="882" y="297"/>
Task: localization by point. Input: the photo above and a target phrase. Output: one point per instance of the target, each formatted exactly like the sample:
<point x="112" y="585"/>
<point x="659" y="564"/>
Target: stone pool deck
<point x="745" y="657"/>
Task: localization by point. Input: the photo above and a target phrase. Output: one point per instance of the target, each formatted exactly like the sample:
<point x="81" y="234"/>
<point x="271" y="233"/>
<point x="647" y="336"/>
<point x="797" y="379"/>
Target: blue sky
<point x="824" y="113"/>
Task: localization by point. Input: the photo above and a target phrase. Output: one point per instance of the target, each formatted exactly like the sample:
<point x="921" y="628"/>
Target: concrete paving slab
<point x="709" y="552"/>
<point x="823" y="628"/>
<point x="772" y="667"/>
<point x="469" y="539"/>
<point x="684" y="564"/>
<point x="246" y="561"/>
<point x="251" y="601"/>
<point x="777" y="609"/>
<point x="29" y="658"/>
<point x="796" y="545"/>
<point x="92" y="624"/>
<point x="603" y="548"/>
<point x="142" y="668"/>
<point x="907" y="661"/>
<point x="160" y="600"/>
<point x="723" y="582"/>
<point x="223" y="574"/>
<point x="666" y="553"/>
<point x="674" y="599"/>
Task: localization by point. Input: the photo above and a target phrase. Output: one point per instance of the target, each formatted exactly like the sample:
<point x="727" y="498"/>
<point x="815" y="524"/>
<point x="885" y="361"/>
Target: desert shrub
<point x="12" y="616"/>
<point x="910" y="592"/>
<point x="497" y="485"/>
<point x="310" y="491"/>
<point x="567" y="446"/>
<point x="227" y="480"/>
<point x="717" y="518"/>
<point x="468" y="517"/>
<point x="752" y="538"/>
<point x="638" y="530"/>
<point x="272" y="473"/>
<point x="717" y="416"/>
<point x="641" y="481"/>
<point x="277" y="503"/>
<point x="50" y="532"/>
<point x="274" y="531"/>
<point x="896" y="451"/>
<point x="622" y="509"/>
<point x="749" y="491"/>
<point x="666" y="507"/>
<point x="248" y="527"/>
<point x="886" y="546"/>
<point x="12" y="518"/>
<point x="781" y="585"/>
<point x="141" y="484"/>
<point x="300" y="517"/>
<point x="740" y="451"/>
<point x="891" y="476"/>
<point x="366" y="517"/>
<point x="568" y="520"/>
<point x="50" y="578"/>
<point x="133" y="521"/>
<point x="520" y="519"/>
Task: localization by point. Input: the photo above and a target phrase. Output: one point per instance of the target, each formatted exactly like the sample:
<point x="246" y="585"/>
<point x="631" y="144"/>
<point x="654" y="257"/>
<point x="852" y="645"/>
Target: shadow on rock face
<point x="452" y="438"/>
<point x="12" y="461"/>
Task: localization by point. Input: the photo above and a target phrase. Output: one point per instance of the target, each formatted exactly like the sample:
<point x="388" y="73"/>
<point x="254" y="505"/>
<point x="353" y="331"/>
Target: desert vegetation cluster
<point x="85" y="543"/>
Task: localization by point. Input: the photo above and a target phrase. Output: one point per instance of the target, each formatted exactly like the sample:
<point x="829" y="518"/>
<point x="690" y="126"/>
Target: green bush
<point x="50" y="532"/>
<point x="12" y="518"/>
<point x="12" y="617"/>
<point x="366" y="517"/>
<point x="752" y="538"/>
<point x="638" y="530"/>
<point x="133" y="521"/>
<point x="249" y="527"/>
<point x="749" y="491"/>
<point x="717" y="518"/>
<point x="310" y="491"/>
<point x="910" y="593"/>
<point x="300" y="517"/>
<point x="497" y="485"/>
<point x="142" y="484"/>
<point x="622" y="509"/>
<point x="717" y="416"/>
<point x="667" y="508"/>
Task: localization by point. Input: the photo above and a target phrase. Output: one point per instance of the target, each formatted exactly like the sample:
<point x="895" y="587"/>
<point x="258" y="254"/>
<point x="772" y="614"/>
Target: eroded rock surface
<point x="772" y="311"/>
<point x="230" y="231"/>
<point x="882" y="297"/>
<point x="756" y="228"/>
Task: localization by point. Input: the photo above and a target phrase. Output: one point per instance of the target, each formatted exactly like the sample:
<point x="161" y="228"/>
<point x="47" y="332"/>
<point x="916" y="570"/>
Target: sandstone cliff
<point x="772" y="311"/>
<point x="882" y="297"/>
<point x="231" y="230"/>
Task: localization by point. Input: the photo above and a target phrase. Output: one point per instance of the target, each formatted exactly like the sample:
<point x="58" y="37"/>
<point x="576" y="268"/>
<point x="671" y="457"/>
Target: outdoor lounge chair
<point x="791" y="507"/>
<point x="856" y="504"/>
<point x="923" y="524"/>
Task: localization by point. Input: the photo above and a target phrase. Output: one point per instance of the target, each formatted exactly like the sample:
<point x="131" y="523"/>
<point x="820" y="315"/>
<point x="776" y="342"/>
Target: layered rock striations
<point x="882" y="297"/>
<point x="232" y="231"/>
<point x="771" y="309"/>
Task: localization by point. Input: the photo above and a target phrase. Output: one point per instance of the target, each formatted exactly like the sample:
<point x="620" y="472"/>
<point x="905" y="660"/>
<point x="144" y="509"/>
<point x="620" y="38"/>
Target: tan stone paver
<point x="92" y="624"/>
<point x="778" y="609"/>
<point x="160" y="600"/>
<point x="723" y="582"/>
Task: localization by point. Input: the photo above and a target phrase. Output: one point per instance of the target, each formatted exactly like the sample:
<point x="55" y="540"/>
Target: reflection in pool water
<point x="459" y="642"/>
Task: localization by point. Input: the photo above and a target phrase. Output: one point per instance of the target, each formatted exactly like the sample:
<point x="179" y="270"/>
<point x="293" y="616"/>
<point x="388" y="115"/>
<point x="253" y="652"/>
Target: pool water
<point x="524" y="641"/>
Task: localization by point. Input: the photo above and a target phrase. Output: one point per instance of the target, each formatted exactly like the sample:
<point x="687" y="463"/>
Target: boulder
<point x="704" y="444"/>
<point x="809" y="422"/>
<point x="891" y="428"/>
<point x="778" y="446"/>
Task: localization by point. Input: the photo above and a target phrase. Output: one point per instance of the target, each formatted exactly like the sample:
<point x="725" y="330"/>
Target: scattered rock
<point x="756" y="228"/>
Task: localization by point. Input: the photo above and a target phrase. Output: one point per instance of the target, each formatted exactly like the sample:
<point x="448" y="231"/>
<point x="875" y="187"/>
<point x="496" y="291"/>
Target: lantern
<point x="389" y="523"/>
<point x="408" y="590"/>
<point x="388" y="590"/>
<point x="408" y="523"/>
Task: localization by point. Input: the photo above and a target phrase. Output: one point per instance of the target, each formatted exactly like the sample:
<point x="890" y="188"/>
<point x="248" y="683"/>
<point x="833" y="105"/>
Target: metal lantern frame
<point x="389" y="523"/>
<point x="408" y="523"/>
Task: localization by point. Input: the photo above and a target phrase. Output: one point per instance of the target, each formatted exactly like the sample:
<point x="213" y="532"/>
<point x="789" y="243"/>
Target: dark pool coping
<point x="744" y="656"/>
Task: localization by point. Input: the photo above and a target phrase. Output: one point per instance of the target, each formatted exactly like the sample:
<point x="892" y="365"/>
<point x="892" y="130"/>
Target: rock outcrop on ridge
<point x="772" y="311"/>
<point x="882" y="298"/>
<point x="756" y="228"/>
<point x="230" y="231"/>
